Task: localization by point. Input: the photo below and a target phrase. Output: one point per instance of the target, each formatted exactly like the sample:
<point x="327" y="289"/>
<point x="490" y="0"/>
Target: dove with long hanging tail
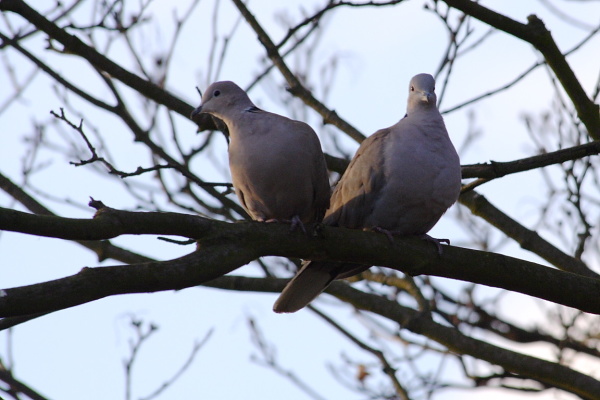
<point x="401" y="180"/>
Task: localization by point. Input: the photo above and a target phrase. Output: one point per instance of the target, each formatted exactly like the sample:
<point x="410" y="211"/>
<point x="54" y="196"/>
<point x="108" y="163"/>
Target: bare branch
<point x="142" y="333"/>
<point x="269" y="359"/>
<point x="103" y="249"/>
<point x="535" y="32"/>
<point x="296" y="87"/>
<point x="18" y="388"/>
<point x="197" y="346"/>
<point x="74" y="45"/>
<point x="387" y="368"/>
<point x="528" y="239"/>
<point x="520" y="76"/>
<point x="494" y="169"/>
<point x="544" y="371"/>
<point x="219" y="254"/>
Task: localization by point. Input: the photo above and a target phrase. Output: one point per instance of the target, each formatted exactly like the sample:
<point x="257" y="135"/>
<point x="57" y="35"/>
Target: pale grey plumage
<point x="277" y="166"/>
<point x="402" y="179"/>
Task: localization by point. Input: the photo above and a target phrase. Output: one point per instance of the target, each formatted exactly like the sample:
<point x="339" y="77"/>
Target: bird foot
<point x="390" y="235"/>
<point x="295" y="223"/>
<point x="387" y="233"/>
<point x="437" y="242"/>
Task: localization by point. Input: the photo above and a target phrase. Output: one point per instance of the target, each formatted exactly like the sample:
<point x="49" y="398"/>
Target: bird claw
<point x="387" y="233"/>
<point x="436" y="242"/>
<point x="295" y="223"/>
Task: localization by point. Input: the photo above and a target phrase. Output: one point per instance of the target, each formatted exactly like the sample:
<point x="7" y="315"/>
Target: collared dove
<point x="401" y="181"/>
<point x="277" y="166"/>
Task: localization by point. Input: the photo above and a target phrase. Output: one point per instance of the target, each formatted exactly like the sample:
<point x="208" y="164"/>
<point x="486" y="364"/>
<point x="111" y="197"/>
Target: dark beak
<point x="196" y="112"/>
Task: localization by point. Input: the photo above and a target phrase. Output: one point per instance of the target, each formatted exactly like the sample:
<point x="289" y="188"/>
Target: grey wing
<point x="356" y="192"/>
<point x="322" y="194"/>
<point x="320" y="180"/>
<point x="353" y="199"/>
<point x="307" y="147"/>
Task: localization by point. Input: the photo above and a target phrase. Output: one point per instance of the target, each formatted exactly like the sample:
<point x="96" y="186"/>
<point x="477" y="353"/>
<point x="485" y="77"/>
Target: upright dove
<point x="401" y="180"/>
<point x="277" y="166"/>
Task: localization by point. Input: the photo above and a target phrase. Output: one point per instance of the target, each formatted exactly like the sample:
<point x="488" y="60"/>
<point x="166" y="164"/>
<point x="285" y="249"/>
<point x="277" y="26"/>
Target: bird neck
<point x="427" y="112"/>
<point x="233" y="109"/>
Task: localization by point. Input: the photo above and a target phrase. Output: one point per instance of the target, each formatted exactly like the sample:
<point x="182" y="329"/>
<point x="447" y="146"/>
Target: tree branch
<point x="550" y="373"/>
<point x="528" y="239"/>
<point x="535" y="33"/>
<point x="104" y="249"/>
<point x="386" y="366"/>
<point x="224" y="247"/>
<point x="296" y="87"/>
<point x="547" y="372"/>
<point x="498" y="169"/>
<point x="494" y="169"/>
<point x="74" y="45"/>
<point x="17" y="387"/>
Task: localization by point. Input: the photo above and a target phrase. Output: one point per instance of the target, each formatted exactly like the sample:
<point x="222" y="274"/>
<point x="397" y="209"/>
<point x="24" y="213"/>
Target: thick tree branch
<point x="535" y="33"/>
<point x="528" y="239"/>
<point x="482" y="319"/>
<point x="104" y="249"/>
<point x="223" y="247"/>
<point x="95" y="283"/>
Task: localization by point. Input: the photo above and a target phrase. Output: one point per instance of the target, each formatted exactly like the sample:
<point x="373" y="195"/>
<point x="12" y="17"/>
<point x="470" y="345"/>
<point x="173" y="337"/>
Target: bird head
<point x="221" y="98"/>
<point x="421" y="92"/>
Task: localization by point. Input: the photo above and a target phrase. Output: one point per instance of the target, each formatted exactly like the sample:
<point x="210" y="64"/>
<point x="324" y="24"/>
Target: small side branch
<point x="494" y="169"/>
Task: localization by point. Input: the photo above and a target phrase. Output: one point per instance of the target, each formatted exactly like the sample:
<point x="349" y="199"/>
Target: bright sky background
<point x="77" y="353"/>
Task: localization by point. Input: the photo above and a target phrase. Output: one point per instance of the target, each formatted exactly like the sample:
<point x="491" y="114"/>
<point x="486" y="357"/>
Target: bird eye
<point x="216" y="93"/>
<point x="412" y="88"/>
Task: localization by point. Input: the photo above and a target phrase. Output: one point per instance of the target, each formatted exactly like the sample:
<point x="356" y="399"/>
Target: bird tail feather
<point x="310" y="281"/>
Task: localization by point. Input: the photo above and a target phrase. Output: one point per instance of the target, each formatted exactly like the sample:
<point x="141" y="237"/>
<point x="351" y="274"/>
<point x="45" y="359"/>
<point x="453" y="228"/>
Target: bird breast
<point x="422" y="180"/>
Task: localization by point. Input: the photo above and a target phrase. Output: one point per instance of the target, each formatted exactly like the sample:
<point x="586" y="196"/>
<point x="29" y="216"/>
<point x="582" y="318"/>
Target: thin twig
<point x="386" y="366"/>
